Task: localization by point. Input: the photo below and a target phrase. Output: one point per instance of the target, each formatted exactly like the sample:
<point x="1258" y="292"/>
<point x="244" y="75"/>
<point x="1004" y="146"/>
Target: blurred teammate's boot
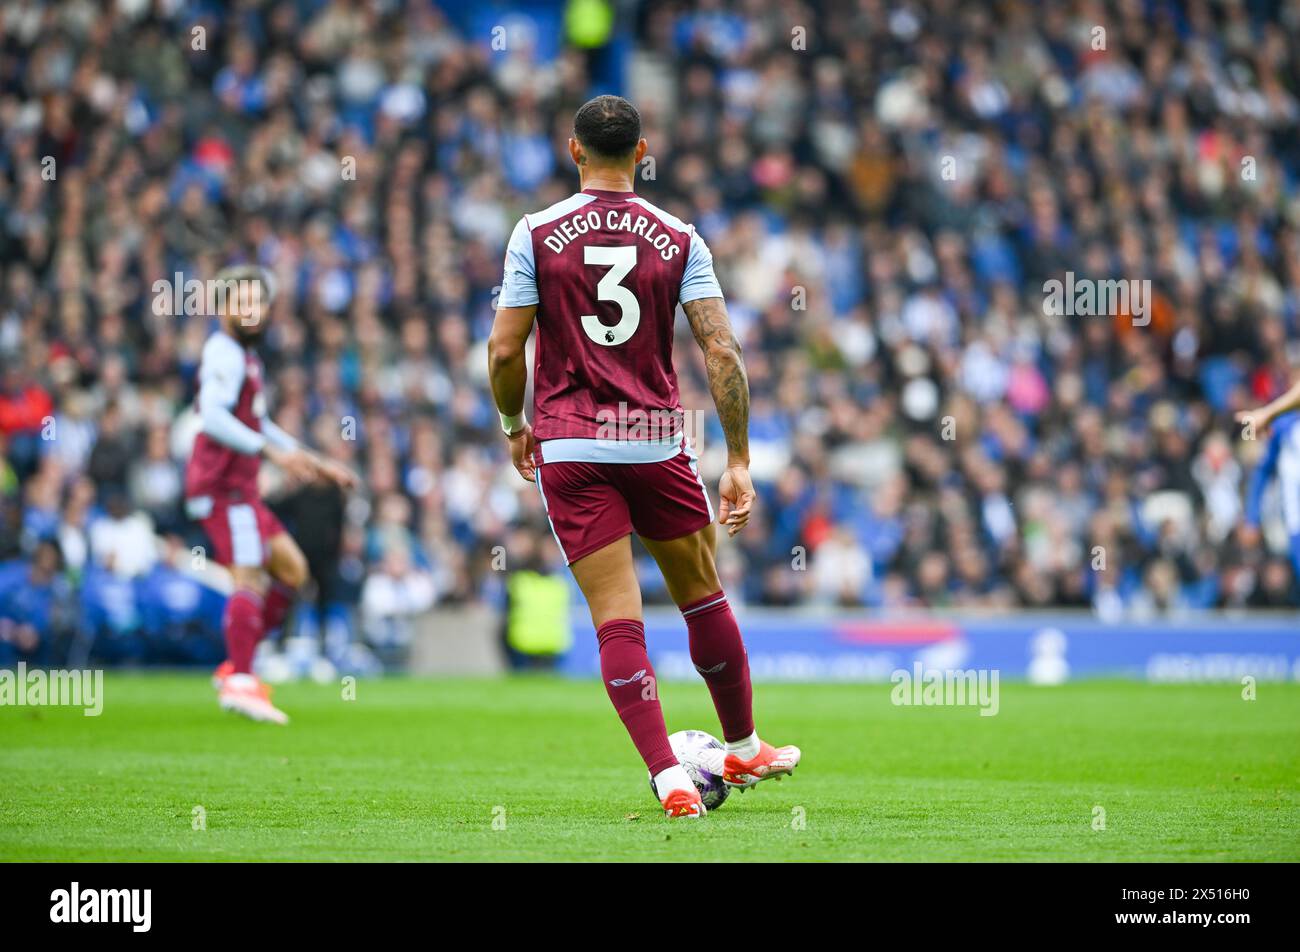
<point x="246" y="695"/>
<point x="224" y="670"/>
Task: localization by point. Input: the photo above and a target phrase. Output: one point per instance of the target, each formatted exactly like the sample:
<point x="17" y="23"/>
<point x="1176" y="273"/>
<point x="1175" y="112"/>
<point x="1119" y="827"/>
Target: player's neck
<point x="606" y="180"/>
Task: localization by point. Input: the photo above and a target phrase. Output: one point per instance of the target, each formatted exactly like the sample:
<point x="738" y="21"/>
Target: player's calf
<point x="242" y="632"/>
<point x="718" y="653"/>
<point x="630" y="683"/>
<point x="243" y="626"/>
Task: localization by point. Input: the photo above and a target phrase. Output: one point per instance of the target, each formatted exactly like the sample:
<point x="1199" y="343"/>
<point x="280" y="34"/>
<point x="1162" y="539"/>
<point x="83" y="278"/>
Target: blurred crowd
<point x="885" y="187"/>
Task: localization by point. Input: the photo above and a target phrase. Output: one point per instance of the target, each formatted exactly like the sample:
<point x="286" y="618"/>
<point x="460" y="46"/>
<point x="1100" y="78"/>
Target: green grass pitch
<point x="540" y="769"/>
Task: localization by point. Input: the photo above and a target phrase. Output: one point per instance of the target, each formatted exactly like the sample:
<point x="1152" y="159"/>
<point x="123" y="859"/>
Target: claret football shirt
<point x="606" y="271"/>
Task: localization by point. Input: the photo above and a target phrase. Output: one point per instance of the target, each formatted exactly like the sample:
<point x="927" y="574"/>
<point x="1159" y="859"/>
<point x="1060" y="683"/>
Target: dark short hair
<point x="608" y="126"/>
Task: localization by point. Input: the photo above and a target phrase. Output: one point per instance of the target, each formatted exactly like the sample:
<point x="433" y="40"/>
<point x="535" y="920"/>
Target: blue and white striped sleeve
<point x="698" y="280"/>
<point x="519" y="283"/>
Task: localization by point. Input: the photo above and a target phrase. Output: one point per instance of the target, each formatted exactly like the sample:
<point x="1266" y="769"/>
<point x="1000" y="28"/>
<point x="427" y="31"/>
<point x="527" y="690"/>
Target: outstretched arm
<point x="730" y="388"/>
<point x="1263" y="416"/>
<point x="508" y="373"/>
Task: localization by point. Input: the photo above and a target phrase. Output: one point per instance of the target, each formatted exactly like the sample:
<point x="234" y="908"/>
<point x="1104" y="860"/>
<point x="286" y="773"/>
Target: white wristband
<point x="511" y="425"/>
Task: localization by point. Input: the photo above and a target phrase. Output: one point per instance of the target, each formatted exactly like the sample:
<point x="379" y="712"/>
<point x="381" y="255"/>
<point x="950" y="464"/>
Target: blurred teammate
<point x="266" y="565"/>
<point x="602" y="273"/>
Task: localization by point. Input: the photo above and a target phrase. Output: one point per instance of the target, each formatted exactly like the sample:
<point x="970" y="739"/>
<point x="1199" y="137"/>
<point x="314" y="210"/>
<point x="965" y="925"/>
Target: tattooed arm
<point x="730" y="388"/>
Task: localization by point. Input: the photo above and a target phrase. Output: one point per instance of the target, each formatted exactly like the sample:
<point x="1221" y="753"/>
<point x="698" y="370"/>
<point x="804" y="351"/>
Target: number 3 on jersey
<point x="621" y="260"/>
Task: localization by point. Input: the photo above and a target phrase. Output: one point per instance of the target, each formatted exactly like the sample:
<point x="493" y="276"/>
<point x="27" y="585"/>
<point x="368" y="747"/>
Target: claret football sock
<point x="243" y="627"/>
<point x="719" y="655"/>
<point x="279" y="599"/>
<point x="630" y="683"/>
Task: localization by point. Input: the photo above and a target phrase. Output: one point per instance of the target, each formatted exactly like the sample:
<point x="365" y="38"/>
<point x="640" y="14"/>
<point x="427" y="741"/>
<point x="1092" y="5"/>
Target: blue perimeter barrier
<point x="1046" y="648"/>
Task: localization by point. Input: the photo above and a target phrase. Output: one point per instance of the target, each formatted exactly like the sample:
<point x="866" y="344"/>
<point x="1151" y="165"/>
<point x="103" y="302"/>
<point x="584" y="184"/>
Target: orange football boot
<point x="770" y="762"/>
<point x="684" y="803"/>
<point x="224" y="670"/>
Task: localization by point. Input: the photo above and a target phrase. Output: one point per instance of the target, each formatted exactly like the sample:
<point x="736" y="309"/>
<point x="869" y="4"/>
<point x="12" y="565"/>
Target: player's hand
<point x="338" y="474"/>
<point x="738" y="498"/>
<point x="298" y="464"/>
<point x="522" y="447"/>
<point x="1260" y="418"/>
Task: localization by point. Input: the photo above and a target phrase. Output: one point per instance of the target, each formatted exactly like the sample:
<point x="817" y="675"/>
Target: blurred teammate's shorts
<point x="591" y="505"/>
<point x="240" y="531"/>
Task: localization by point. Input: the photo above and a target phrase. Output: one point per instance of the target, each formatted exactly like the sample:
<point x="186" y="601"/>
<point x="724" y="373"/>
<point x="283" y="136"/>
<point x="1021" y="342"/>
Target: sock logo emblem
<point x="713" y="670"/>
<point x="623" y="682"/>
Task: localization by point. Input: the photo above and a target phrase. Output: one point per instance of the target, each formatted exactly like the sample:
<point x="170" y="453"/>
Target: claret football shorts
<point x="591" y="505"/>
<point x="240" y="531"/>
